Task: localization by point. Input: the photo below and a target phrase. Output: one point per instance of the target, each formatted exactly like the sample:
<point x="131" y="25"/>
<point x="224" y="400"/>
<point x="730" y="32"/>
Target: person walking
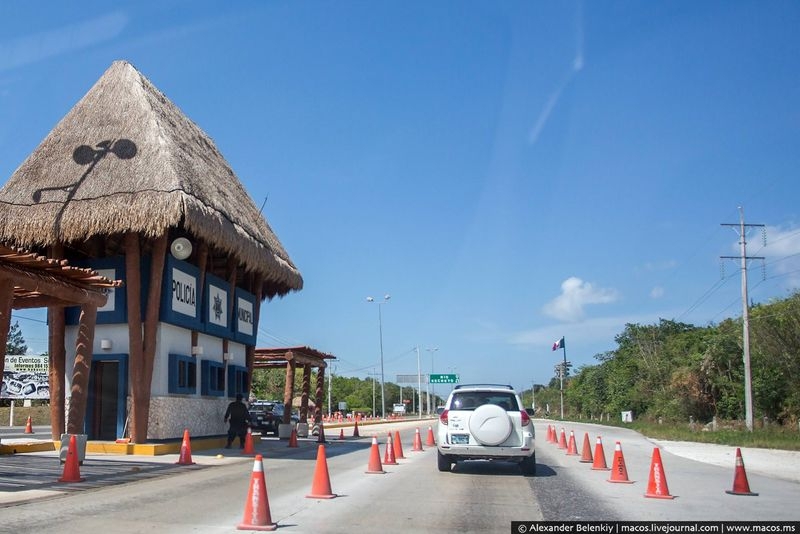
<point x="239" y="419"/>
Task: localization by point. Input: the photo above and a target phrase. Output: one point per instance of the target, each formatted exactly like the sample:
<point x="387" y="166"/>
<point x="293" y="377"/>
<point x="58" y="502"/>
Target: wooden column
<point x="304" y="393"/>
<point x="202" y="265"/>
<point x="140" y="396"/>
<point x="288" y="389"/>
<point x="81" y="369"/>
<point x="57" y="356"/>
<point x="6" y="301"/>
<point x="157" y="260"/>
<point x="250" y="351"/>
<point x="319" y="393"/>
<point x="231" y="303"/>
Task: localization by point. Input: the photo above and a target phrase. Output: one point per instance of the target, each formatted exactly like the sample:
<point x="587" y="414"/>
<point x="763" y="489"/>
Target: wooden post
<point x="318" y="394"/>
<point x="57" y="356"/>
<point x="6" y="302"/>
<point x="81" y="369"/>
<point x="133" y="286"/>
<point x="157" y="260"/>
<point x="258" y="290"/>
<point x="288" y="389"/>
<point x="304" y="393"/>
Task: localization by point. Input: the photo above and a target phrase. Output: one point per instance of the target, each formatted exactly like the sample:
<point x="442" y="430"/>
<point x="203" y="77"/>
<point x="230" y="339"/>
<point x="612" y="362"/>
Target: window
<point x="182" y="374"/>
<point x="213" y="378"/>
<point x="237" y="380"/>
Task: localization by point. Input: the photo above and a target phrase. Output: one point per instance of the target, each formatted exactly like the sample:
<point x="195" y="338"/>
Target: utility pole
<point x="330" y="388"/>
<point x="419" y="386"/>
<point x="742" y="228"/>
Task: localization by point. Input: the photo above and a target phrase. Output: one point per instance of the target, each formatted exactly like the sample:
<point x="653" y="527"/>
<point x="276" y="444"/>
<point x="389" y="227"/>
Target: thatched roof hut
<point x="126" y="159"/>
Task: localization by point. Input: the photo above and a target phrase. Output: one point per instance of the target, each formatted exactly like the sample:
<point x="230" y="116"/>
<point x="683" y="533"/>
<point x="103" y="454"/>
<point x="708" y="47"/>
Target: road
<point x="411" y="497"/>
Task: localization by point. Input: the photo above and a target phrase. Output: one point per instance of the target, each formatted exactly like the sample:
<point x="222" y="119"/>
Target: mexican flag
<point x="558" y="344"/>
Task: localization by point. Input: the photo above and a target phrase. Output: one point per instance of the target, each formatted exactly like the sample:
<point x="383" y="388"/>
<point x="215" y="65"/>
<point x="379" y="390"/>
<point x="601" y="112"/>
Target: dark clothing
<point x="239" y="418"/>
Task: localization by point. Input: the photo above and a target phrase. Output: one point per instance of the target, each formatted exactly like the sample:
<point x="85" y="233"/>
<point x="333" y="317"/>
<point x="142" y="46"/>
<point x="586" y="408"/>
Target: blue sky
<point x="509" y="172"/>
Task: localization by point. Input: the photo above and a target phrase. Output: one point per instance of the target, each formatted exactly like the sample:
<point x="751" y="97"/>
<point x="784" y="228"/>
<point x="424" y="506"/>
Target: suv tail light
<point x="524" y="417"/>
<point x="443" y="418"/>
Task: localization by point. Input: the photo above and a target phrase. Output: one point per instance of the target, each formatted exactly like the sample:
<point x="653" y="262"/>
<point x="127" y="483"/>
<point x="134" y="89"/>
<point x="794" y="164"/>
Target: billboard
<point x="25" y="377"/>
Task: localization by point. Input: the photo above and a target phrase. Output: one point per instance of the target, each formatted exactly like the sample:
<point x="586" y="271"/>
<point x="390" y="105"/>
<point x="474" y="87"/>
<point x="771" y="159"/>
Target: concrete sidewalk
<point x="775" y="463"/>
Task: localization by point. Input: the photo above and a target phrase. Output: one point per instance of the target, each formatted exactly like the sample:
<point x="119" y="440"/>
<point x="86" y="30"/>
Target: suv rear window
<point x="469" y="400"/>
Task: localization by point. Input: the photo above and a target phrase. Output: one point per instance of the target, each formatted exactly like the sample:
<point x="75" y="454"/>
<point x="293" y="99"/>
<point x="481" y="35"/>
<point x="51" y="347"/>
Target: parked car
<point x="267" y="415"/>
<point x="485" y="422"/>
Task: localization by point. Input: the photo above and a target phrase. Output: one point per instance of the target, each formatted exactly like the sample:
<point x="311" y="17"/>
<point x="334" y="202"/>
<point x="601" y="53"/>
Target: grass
<point x="40" y="415"/>
<point x="733" y="433"/>
<point x="728" y="433"/>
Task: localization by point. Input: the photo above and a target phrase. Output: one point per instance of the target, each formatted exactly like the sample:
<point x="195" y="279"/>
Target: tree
<point x="15" y="343"/>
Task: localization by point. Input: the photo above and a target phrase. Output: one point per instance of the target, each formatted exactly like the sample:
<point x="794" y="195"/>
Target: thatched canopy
<point x="126" y="159"/>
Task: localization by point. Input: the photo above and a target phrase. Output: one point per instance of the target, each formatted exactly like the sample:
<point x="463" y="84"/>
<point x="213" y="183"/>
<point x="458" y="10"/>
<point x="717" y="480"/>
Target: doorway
<point x="106" y="407"/>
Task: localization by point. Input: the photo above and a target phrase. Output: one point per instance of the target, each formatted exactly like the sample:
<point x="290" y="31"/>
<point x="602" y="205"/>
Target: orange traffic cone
<point x="256" y="508"/>
<point x="355" y="430"/>
<point x="572" y="449"/>
<point x="321" y="486"/>
<point x="740" y="484"/>
<point x="186" y="450"/>
<point x="374" y="467"/>
<point x="549" y="436"/>
<point x="430" y="441"/>
<point x="417" y="442"/>
<point x="29" y="426"/>
<point x="586" y="453"/>
<point x="248" y="443"/>
<point x="657" y="483"/>
<point x="72" y="472"/>
<point x="388" y="455"/>
<point x="398" y="447"/>
<point x="341" y="433"/>
<point x="562" y="440"/>
<point x="599" y="457"/>
<point x="293" y="438"/>
<point x="619" y="473"/>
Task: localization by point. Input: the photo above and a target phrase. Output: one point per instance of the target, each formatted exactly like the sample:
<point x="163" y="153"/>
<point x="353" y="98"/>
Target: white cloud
<point x="599" y="333"/>
<point x="781" y="253"/>
<point x="575" y="295"/>
<point x="64" y="40"/>
<point x="655" y="266"/>
<point x="657" y="292"/>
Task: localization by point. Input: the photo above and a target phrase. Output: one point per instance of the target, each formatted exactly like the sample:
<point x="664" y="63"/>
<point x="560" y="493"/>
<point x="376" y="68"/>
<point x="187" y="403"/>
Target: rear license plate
<point x="459" y="439"/>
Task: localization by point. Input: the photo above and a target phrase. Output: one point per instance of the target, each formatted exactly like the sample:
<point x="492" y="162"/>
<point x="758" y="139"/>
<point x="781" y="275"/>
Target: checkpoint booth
<point x="289" y="359"/>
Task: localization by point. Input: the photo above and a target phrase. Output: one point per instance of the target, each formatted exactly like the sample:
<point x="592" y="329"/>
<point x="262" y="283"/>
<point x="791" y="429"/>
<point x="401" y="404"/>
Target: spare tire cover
<point x="490" y="425"/>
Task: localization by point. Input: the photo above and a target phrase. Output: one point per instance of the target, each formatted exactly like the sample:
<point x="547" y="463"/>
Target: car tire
<point x="490" y="425"/>
<point x="443" y="462"/>
<point x="528" y="465"/>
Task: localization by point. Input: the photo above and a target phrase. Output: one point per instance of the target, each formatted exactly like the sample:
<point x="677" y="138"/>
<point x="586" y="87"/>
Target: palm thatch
<point x="126" y="159"/>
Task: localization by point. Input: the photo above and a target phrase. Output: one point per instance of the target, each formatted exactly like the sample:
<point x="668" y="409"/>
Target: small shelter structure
<point x="28" y="280"/>
<point x="127" y="185"/>
<point x="290" y="358"/>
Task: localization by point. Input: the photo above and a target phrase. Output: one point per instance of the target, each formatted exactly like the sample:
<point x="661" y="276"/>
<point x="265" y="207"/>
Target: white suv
<point x="485" y="422"/>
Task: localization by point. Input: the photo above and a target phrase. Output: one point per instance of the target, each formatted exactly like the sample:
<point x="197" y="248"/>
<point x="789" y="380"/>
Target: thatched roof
<point x="124" y="159"/>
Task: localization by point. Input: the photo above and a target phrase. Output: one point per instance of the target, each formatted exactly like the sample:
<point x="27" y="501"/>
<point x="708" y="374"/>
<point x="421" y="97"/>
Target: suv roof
<point x="484" y="386"/>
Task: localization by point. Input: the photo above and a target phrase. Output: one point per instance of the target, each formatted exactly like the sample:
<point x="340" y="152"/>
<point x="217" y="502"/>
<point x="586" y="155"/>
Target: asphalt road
<point x="145" y="494"/>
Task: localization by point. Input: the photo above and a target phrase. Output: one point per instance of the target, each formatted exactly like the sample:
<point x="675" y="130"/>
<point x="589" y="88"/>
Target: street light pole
<point x="380" y="334"/>
<point x="419" y="386"/>
<point x="433" y="387"/>
<point x="373" y="392"/>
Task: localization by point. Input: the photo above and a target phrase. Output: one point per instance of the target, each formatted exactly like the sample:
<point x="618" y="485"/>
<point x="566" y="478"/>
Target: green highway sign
<point x="443" y="379"/>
